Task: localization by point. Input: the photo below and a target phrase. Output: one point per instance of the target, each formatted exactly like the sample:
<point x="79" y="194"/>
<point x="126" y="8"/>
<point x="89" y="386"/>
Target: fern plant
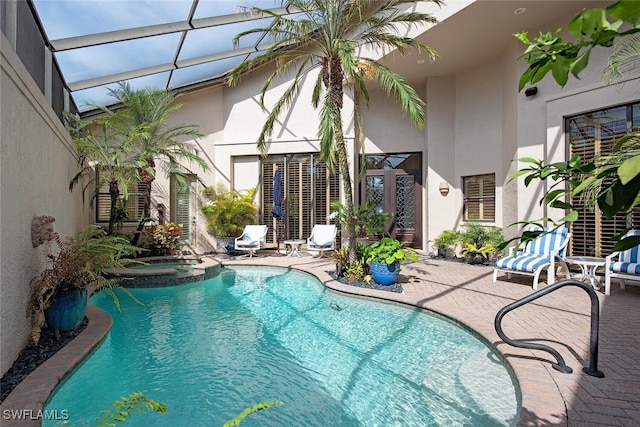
<point x="122" y="409"/>
<point x="77" y="263"/>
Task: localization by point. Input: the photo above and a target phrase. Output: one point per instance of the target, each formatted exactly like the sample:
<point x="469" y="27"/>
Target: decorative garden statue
<point x="42" y="230"/>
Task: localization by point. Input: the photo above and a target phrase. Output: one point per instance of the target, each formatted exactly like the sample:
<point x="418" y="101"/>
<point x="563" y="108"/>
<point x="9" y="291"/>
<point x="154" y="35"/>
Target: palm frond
<point x="393" y="84"/>
<point x="625" y="60"/>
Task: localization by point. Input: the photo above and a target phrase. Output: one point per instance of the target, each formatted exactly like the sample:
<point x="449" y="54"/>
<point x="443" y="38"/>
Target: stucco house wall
<point x="36" y="165"/>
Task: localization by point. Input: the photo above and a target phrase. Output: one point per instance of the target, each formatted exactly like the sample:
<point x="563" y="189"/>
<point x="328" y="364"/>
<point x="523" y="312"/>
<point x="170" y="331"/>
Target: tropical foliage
<point x="390" y="251"/>
<point x="369" y="222"/>
<point x="549" y="52"/>
<point x="322" y="42"/>
<point x="447" y="240"/>
<point x="123" y="408"/>
<point x="251" y="410"/>
<point x="228" y="211"/>
<point x="480" y="243"/>
<point x="162" y="239"/>
<point x="124" y="144"/>
<point x="609" y="182"/>
<point x="102" y="160"/>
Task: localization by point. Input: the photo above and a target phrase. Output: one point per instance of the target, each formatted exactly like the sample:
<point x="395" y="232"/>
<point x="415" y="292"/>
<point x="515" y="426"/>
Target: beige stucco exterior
<point x="36" y="165"/>
<point x="477" y="122"/>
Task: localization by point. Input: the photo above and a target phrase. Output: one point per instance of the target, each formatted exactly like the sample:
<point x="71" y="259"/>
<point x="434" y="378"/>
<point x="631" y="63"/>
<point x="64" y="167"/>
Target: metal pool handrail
<point x="561" y="366"/>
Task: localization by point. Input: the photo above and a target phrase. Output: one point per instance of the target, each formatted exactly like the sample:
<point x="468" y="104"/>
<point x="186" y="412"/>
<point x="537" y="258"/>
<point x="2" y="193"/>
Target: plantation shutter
<point x="479" y="197"/>
<point x="309" y="189"/>
<point x="183" y="212"/>
<point x="591" y="135"/>
<point x="135" y="203"/>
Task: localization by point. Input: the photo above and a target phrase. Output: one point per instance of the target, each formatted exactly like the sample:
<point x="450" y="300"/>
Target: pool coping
<point x="33" y="392"/>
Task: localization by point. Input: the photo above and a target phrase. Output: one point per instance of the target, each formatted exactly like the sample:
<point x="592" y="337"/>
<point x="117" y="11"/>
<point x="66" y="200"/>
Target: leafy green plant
<point x="123" y="408"/>
<point x="590" y="28"/>
<point x="162" y="239"/>
<point x="473" y="254"/>
<point x="480" y="243"/>
<point x="77" y="263"/>
<point x="447" y="240"/>
<point x="389" y="251"/>
<point x="251" y="410"/>
<point x="229" y="211"/>
<point x="369" y="221"/>
<point x="341" y="258"/>
<point x="610" y="182"/>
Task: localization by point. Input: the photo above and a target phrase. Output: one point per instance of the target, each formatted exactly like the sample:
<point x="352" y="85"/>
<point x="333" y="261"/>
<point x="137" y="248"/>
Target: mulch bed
<point x="396" y="287"/>
<point x="35" y="355"/>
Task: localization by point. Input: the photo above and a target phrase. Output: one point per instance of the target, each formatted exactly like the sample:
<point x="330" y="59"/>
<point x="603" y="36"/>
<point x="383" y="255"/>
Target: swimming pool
<point x="210" y="349"/>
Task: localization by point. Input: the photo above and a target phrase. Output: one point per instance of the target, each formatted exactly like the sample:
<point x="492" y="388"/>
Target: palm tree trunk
<point x="343" y="163"/>
<point x="114" y="193"/>
<point x="147" y="179"/>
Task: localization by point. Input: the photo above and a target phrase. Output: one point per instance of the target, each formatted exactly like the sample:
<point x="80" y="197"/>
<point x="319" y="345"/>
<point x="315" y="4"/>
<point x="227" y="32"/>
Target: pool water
<point x="208" y="350"/>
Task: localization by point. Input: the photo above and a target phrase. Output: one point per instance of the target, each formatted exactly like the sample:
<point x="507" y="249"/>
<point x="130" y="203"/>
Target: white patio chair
<point x="543" y="252"/>
<point x="322" y="238"/>
<point x="627" y="266"/>
<point x="253" y="238"/>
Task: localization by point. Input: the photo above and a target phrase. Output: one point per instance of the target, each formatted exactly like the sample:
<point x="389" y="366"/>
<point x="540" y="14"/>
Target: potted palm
<point x="228" y="212"/>
<point x="384" y="257"/>
<point x="446" y="242"/>
<point x="77" y="267"/>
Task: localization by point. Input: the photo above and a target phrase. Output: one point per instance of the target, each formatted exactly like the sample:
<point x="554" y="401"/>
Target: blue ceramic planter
<point x="385" y="274"/>
<point x="67" y="310"/>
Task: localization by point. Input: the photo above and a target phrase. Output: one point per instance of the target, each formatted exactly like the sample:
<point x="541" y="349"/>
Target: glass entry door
<point x="394" y="183"/>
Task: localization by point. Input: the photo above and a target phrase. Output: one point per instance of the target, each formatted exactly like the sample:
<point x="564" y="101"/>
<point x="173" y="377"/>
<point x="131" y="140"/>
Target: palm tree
<point x="327" y="36"/>
<point x="142" y="124"/>
<point x="102" y="160"/>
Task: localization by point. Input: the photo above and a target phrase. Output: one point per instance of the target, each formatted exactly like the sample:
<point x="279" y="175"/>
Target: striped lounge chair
<point x="627" y="265"/>
<point x="544" y="252"/>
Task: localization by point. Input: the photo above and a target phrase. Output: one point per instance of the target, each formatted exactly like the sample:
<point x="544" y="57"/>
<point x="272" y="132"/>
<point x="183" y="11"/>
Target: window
<point x="182" y="205"/>
<point x="479" y="197"/>
<point x="589" y="135"/>
<point x="134" y="208"/>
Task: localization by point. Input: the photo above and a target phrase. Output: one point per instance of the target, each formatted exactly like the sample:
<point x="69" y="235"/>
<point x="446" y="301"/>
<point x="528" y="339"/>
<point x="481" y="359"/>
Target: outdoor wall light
<point x="444" y="188"/>
<point x="530" y="91"/>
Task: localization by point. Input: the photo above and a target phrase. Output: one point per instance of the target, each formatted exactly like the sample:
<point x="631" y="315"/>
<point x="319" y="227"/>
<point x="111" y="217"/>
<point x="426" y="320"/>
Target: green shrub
<point x="480" y="243"/>
<point x="229" y="211"/>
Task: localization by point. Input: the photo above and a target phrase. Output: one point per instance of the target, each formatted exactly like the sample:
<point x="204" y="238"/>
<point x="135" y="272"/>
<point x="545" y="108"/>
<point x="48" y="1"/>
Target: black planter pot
<point x="67" y="310"/>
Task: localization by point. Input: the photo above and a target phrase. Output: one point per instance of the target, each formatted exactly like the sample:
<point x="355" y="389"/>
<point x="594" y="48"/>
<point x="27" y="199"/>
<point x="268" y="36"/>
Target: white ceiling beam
<point x="70" y="43"/>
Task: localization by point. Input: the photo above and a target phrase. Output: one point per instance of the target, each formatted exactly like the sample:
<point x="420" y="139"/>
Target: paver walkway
<point x="466" y="293"/>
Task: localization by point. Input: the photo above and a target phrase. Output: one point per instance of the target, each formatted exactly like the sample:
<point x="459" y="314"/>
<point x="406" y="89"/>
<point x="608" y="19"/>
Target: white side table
<point x="588" y="265"/>
<point x="295" y="247"/>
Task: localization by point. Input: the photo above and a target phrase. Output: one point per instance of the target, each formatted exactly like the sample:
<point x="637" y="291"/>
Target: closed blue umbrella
<point x="278" y="211"/>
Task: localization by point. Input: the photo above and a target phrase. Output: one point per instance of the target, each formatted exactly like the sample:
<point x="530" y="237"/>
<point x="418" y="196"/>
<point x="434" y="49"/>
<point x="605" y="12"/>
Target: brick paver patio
<point x="466" y="293"/>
